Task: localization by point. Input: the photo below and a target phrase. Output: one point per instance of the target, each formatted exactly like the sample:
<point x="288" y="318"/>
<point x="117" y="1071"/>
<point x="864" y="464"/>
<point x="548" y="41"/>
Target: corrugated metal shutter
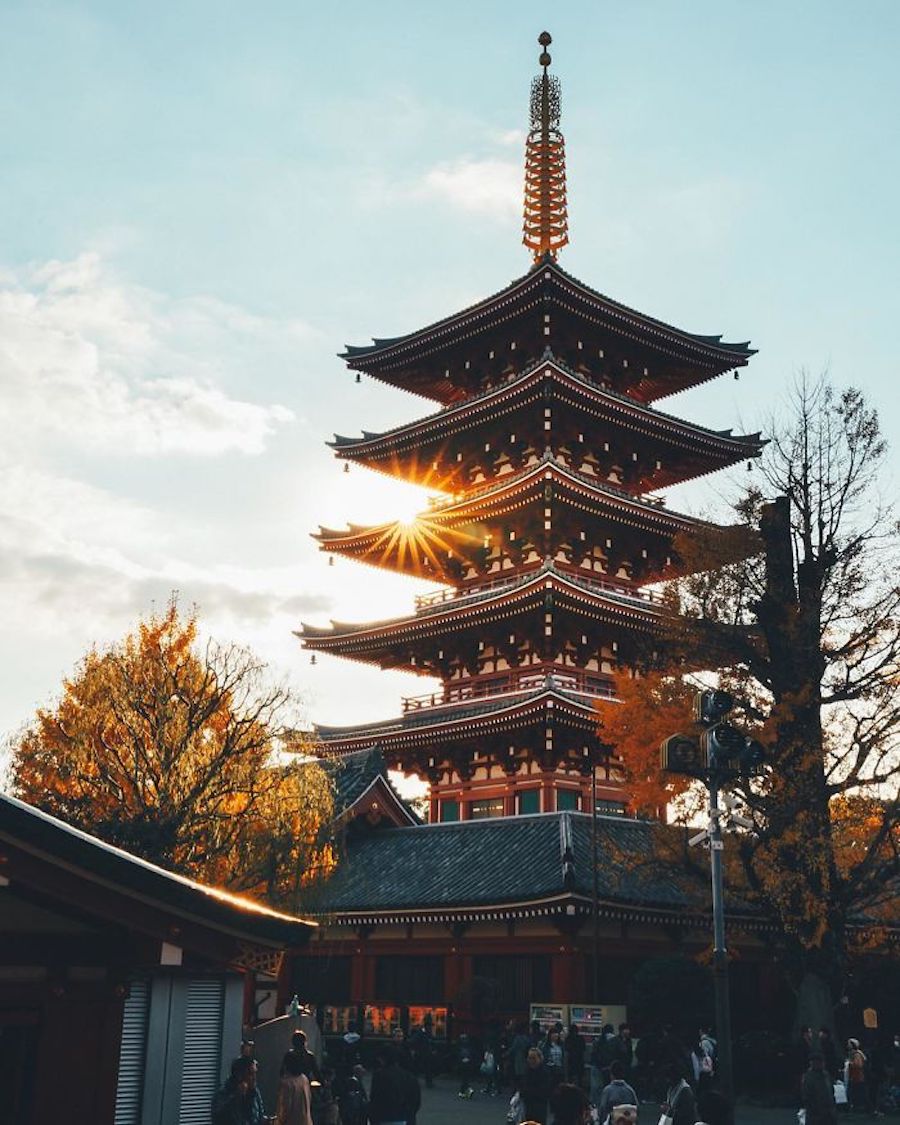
<point x="130" y="1085"/>
<point x="202" y="1049"/>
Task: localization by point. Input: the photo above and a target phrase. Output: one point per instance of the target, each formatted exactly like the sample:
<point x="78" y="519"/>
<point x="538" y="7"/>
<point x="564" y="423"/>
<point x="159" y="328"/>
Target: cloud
<point x="490" y="187"/>
<point x="109" y="367"/>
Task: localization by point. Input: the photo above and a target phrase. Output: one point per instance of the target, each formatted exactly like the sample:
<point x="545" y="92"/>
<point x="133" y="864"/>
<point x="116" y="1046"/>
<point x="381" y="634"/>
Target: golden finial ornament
<point x="546" y="226"/>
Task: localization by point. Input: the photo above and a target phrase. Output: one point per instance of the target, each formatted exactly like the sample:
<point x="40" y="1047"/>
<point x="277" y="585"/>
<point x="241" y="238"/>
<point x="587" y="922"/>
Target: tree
<point x="170" y="751"/>
<point x="805" y="630"/>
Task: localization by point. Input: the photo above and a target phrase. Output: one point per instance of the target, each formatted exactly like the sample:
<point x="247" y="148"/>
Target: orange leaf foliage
<point x="649" y="709"/>
<point x="166" y="749"/>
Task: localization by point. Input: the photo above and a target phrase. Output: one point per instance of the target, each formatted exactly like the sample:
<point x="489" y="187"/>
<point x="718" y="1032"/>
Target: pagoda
<point x="546" y="536"/>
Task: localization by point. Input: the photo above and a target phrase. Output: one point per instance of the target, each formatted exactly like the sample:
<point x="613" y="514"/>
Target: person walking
<point x="294" y="1105"/>
<point x="617" y="1092"/>
<point x="518" y="1052"/>
<point x="570" y="1105"/>
<point x="307" y="1059"/>
<point x="238" y="1101"/>
<point x="554" y="1057"/>
<point x="395" y="1097"/>
<point x="817" y="1092"/>
<point x="465" y="1064"/>
<point x="575" y="1050"/>
<point x="679" y="1104"/>
<point x="856" y="1076"/>
<point x="535" y="1087"/>
<point x="353" y="1103"/>
<point x="622" y="1048"/>
<point x="829" y="1053"/>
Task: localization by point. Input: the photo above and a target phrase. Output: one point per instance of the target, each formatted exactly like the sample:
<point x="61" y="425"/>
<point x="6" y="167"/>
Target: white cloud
<point x="91" y="361"/>
<point x="492" y="187"/>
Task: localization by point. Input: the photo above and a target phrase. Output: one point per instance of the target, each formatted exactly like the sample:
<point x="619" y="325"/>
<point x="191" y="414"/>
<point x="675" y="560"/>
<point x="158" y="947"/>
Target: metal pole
<point x="595" y="979"/>
<point x="720" y="953"/>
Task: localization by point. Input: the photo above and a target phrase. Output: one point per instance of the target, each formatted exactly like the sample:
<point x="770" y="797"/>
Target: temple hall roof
<point x="508" y="866"/>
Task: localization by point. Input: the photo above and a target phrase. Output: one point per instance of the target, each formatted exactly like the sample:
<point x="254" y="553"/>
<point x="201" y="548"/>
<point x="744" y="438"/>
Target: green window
<point x="449" y="811"/>
<point x="567" y="800"/>
<point x="530" y="801"/>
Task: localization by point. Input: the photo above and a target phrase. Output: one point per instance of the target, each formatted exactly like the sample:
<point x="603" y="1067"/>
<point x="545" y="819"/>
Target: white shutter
<point x="200" y="1076"/>
<point x="130" y="1085"/>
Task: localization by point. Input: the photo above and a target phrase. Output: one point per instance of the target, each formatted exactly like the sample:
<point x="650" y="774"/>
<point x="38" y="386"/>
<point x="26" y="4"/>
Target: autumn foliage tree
<point x="170" y="749"/>
<point x="805" y="630"/>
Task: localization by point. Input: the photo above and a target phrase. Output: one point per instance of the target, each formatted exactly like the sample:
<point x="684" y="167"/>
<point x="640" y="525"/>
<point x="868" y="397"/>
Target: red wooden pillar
<point x="564" y="974"/>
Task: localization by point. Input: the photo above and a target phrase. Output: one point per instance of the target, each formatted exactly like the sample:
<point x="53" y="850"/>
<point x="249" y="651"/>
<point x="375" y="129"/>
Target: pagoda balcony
<point x="435" y="599"/>
<point x="437" y="504"/>
<point x="507" y="683"/>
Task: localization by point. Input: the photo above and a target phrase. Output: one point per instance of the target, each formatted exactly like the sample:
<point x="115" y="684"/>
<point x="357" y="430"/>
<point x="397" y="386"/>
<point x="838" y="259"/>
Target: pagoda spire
<point x="546" y="227"/>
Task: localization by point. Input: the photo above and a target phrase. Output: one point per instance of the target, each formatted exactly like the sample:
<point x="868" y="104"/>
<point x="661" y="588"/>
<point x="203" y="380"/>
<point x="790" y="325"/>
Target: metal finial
<point x="545" y="229"/>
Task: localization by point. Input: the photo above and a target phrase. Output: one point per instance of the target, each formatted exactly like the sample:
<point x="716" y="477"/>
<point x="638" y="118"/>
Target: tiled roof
<point x="353" y="774"/>
<point x="503" y="861"/>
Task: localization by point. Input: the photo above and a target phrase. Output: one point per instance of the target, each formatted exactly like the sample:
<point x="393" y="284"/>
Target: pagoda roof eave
<point x="709" y="350"/>
<point x="420" y="728"/>
<point x="475" y="500"/>
<point x="724" y="443"/>
<point x="637" y="612"/>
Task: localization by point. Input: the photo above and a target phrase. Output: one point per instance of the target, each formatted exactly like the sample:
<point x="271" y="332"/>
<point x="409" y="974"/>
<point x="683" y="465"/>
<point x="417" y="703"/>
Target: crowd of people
<point x="553" y="1076"/>
<point x="865" y="1081"/>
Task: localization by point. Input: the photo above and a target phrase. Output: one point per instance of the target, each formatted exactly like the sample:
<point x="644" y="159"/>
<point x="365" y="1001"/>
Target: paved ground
<point x="441" y="1106"/>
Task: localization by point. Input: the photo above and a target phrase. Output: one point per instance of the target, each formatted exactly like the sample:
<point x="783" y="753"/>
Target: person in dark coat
<point x="829" y="1051"/>
<point x="575" y="1052"/>
<point x="535" y="1087"/>
<point x="308" y="1064"/>
<point x="239" y="1102"/>
<point x="817" y="1092"/>
<point x="679" y="1104"/>
<point x="395" y="1097"/>
<point x="569" y="1104"/>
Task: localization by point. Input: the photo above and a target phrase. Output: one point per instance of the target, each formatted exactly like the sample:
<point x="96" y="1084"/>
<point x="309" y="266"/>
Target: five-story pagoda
<point x="546" y="452"/>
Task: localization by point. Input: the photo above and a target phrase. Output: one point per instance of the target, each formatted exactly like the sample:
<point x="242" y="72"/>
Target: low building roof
<point x="122" y="881"/>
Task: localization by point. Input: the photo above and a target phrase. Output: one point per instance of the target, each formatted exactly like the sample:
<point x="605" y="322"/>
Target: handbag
<point x="840" y="1093"/>
<point x="664" y="1119"/>
<point x="801" y="1117"/>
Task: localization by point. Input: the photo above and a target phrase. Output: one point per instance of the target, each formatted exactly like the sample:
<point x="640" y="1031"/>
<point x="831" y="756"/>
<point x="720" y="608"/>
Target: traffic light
<point x="722" y="745"/>
<point x="728" y="750"/>
<point x="712" y="706"/>
<point x="752" y="757"/>
<point x="681" y="754"/>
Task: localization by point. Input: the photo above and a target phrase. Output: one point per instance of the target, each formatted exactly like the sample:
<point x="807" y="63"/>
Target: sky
<point x="201" y="203"/>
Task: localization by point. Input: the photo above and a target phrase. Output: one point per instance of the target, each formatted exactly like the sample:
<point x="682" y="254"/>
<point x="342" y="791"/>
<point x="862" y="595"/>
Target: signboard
<point x="870" y="1019"/>
<point x="549" y="1014"/>
<point x="591" y="1018"/>
<point x="438" y="1028"/>
<point x="588" y="1018"/>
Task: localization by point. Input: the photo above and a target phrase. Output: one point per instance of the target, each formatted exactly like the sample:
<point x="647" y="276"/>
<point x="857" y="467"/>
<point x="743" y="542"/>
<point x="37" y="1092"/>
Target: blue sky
<point x="200" y="203"/>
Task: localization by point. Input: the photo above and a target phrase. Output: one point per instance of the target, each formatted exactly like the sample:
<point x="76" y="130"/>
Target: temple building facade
<point x="546" y="540"/>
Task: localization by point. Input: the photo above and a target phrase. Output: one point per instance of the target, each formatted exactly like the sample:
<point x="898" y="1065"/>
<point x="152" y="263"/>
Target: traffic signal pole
<point x="720" y="952"/>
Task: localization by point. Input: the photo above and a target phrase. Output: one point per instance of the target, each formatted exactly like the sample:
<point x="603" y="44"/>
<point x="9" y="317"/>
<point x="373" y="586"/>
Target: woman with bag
<point x="679" y="1108"/>
<point x="856" y="1075"/>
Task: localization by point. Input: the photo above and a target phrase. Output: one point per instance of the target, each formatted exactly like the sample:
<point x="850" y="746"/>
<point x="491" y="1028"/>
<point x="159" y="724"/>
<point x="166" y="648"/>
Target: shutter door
<point x="200" y="1077"/>
<point x="130" y="1085"/>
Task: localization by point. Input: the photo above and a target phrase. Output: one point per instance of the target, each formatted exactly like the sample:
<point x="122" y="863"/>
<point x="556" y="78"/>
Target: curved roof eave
<point x="737" y="353"/>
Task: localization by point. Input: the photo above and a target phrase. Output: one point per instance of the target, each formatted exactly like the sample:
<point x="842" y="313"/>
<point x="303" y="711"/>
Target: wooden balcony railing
<point x="522" y="680"/>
